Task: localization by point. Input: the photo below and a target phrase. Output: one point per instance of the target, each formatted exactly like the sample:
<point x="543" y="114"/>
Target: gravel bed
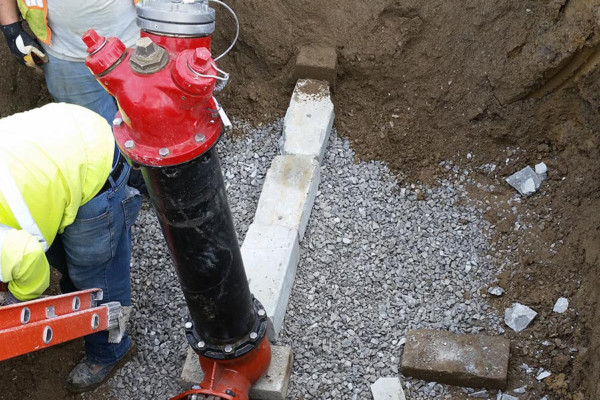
<point x="377" y="259"/>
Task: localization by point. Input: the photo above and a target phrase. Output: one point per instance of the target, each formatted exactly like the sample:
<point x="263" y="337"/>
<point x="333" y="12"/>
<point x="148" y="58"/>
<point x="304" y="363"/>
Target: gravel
<point x="378" y="258"/>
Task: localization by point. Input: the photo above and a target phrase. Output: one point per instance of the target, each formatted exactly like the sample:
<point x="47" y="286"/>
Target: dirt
<point x="511" y="83"/>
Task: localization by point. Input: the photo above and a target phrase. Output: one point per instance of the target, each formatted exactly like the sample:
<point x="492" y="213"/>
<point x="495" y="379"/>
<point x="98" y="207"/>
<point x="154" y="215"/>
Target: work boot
<point x="87" y="375"/>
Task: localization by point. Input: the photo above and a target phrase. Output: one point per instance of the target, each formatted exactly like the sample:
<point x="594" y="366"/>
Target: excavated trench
<point x="512" y="83"/>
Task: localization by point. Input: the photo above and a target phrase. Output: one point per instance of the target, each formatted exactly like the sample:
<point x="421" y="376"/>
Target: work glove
<point x="26" y="49"/>
<point x="10" y="299"/>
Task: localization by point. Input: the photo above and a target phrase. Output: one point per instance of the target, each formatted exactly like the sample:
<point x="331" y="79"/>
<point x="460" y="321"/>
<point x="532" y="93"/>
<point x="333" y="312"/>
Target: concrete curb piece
<point x="272" y="386"/>
<point x="308" y="121"/>
<point x="271" y="249"/>
<point x="271" y="254"/>
<point x="289" y="192"/>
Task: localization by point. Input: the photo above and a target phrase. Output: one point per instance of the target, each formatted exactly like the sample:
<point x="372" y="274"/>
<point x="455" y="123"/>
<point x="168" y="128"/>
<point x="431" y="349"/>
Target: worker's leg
<point x="72" y="82"/>
<point x="58" y="259"/>
<point x="98" y="249"/>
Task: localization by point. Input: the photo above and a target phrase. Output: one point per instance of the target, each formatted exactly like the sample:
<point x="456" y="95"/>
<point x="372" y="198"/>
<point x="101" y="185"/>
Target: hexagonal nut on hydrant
<point x="148" y="57"/>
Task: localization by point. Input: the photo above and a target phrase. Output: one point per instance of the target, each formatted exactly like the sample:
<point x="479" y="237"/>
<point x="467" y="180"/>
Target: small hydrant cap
<point x="93" y="41"/>
<point x="201" y="60"/>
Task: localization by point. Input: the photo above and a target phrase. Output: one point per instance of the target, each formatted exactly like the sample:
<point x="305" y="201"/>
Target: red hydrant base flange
<point x="232" y="379"/>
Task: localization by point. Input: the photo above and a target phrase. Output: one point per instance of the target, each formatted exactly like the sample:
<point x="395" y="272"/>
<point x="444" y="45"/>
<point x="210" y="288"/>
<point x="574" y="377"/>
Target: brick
<point x="289" y="192"/>
<point x="308" y="120"/>
<point x="387" y="389"/>
<point x="463" y="360"/>
<point x="314" y="62"/>
<point x="271" y="255"/>
<point x="272" y="386"/>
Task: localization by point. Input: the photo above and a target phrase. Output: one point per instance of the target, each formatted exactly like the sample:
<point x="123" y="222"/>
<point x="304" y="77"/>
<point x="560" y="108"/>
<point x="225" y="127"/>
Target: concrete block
<point x="387" y="389"/>
<point x="271" y="254"/>
<point x="308" y="120"/>
<point x="464" y="360"/>
<point x="289" y="192"/>
<point x="272" y="386"/>
<point x="315" y="62"/>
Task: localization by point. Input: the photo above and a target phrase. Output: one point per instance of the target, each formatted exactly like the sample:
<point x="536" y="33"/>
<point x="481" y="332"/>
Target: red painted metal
<point x="232" y="379"/>
<point x="28" y="338"/>
<point x="169" y="116"/>
<point x="10" y="316"/>
<point x="34" y="325"/>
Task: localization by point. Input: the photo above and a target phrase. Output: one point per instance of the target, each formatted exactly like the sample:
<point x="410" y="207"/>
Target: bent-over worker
<point x="64" y="201"/>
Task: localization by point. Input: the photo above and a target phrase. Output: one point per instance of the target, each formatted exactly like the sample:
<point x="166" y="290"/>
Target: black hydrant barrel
<point x="191" y="204"/>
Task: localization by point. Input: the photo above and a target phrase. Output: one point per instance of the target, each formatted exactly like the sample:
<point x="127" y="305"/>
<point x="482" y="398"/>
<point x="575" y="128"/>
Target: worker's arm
<point x="26" y="49"/>
<point x="23" y="265"/>
<point x="9" y="13"/>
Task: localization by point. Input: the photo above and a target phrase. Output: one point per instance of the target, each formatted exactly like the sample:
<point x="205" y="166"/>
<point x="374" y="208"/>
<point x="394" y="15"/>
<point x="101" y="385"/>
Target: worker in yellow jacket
<point x="64" y="202"/>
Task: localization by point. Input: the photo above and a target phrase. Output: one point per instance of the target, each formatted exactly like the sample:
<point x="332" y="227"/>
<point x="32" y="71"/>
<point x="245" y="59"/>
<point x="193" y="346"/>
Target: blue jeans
<point x="72" y="82"/>
<point x="95" y="252"/>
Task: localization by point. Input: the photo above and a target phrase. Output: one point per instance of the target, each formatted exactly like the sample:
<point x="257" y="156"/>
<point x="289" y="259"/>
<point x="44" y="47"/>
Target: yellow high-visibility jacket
<point x="53" y="160"/>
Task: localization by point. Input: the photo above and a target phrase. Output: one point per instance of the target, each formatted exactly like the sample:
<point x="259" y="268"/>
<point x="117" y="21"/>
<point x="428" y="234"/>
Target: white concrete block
<point x="289" y="192"/>
<point x="272" y="386"/>
<point x="387" y="389"/>
<point x="308" y="120"/>
<point x="271" y="254"/>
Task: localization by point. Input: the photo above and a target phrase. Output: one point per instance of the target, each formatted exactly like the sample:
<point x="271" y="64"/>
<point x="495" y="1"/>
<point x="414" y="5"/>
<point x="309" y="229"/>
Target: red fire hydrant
<point x="167" y="125"/>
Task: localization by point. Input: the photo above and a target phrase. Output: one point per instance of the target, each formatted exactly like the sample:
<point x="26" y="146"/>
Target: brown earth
<point x="510" y="82"/>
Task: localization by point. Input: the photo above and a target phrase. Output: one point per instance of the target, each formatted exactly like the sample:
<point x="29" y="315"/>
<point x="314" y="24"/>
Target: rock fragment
<point x="482" y="394"/>
<point x="542" y="374"/>
<point x="525" y="181"/>
<point x="542" y="170"/>
<point x="518" y="317"/>
<point x="387" y="389"/>
<point x="496" y="291"/>
<point x="561" y="305"/>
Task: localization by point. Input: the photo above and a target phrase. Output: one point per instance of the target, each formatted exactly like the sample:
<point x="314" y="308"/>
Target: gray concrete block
<point x="271" y="254"/>
<point x="464" y="360"/>
<point x="289" y="192"/>
<point x="272" y="386"/>
<point x="308" y="120"/>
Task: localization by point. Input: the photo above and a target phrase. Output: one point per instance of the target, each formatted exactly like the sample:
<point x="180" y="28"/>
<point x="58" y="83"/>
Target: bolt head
<point x="228" y="348"/>
<point x="188" y="325"/>
<point x="145" y="47"/>
<point x="163" y="152"/>
<point x="261" y="312"/>
<point x="253" y="335"/>
<point x="199" y="138"/>
<point x="201" y="345"/>
<point x="117" y="121"/>
<point x="129" y="144"/>
<point x="148" y="57"/>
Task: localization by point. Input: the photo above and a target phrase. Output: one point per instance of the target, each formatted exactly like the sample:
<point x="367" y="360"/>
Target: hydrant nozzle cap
<point x="93" y="41"/>
<point x="201" y="60"/>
